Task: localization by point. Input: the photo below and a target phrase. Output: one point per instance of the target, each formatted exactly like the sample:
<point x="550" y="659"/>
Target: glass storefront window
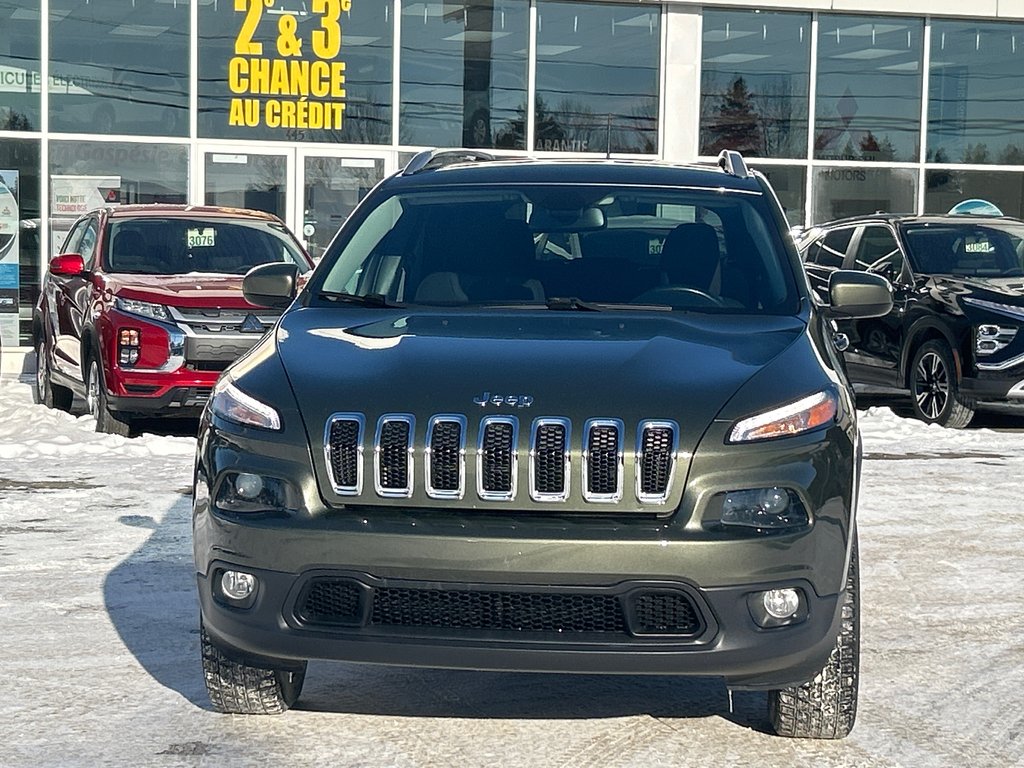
<point x="19" y="65"/>
<point x="90" y="174"/>
<point x="868" y="102"/>
<point x="976" y="77"/>
<point x="119" y="68"/>
<point x="464" y="73"/>
<point x="944" y="188"/>
<point x="296" y="70"/>
<point x="19" y="239"/>
<point x="790" y="184"/>
<point x="597" y="77"/>
<point x="845" y="191"/>
<point x="755" y="75"/>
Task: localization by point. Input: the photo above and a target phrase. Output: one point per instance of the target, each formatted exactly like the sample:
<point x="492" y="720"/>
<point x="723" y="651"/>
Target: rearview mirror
<point x="854" y="294"/>
<point x="271" y="285"/>
<point x="567" y="220"/>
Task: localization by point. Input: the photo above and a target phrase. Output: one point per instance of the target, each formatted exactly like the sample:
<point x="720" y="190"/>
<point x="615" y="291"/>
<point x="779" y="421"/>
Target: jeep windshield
<point x="179" y="246"/>
<point x="992" y="249"/>
<point x="567" y="247"/>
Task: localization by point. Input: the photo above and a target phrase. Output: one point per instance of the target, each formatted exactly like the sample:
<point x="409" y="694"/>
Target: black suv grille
<point x="603" y="462"/>
<point x="497" y="458"/>
<point x="549" y="479"/>
<point x="339" y="601"/>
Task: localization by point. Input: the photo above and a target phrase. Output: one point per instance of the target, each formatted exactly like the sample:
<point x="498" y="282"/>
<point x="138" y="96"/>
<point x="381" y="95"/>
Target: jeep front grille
<point x="496" y="441"/>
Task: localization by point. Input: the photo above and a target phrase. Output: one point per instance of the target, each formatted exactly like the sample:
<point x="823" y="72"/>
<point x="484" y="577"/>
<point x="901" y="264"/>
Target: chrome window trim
<point x="514" y="469"/>
<point x="588" y="426"/>
<point x="563" y="495"/>
<point x="345" y="490"/>
<point x="428" y="452"/>
<point x="655" y="498"/>
<point x="394" y="493"/>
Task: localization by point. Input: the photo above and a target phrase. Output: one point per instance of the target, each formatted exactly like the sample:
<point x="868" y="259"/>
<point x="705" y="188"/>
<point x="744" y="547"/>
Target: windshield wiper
<point x="572" y="303"/>
<point x="369" y="300"/>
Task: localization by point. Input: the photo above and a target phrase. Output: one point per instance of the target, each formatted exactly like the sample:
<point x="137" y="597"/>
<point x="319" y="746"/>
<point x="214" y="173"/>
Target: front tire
<point x="935" y="387"/>
<point x="96" y="401"/>
<point x="826" y="706"/>
<point x="240" y="689"/>
<point x="44" y="391"/>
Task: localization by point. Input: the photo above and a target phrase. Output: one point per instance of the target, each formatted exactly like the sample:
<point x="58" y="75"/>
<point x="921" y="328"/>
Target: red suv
<point x="143" y="308"/>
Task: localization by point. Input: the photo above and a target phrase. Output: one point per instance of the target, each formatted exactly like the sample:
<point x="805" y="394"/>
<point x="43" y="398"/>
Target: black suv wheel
<point x="96" y="401"/>
<point x="935" y="387"/>
<point x="44" y="391"/>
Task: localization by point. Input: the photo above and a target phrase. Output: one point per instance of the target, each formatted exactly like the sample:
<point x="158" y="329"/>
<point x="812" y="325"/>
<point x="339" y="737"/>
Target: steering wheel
<point x="679" y="297"/>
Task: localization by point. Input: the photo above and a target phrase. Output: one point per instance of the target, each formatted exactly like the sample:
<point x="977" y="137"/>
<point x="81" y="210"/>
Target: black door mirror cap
<point x="271" y="285"/>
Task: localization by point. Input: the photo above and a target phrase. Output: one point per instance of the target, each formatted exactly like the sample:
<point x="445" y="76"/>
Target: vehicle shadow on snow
<point x="150" y="598"/>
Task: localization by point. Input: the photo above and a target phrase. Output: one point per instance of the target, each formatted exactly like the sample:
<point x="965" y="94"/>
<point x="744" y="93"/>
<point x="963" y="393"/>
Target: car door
<point x="71" y="298"/>
<point x="824" y="256"/>
<point x="873" y="355"/>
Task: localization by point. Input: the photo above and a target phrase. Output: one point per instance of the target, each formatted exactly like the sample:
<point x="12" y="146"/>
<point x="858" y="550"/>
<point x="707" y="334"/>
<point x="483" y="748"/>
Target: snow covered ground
<point x="100" y="656"/>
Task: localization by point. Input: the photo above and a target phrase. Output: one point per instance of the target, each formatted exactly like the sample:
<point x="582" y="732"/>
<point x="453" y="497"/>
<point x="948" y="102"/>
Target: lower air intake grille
<point x="665" y="613"/>
<point x="330" y="601"/>
<point x="497" y="611"/>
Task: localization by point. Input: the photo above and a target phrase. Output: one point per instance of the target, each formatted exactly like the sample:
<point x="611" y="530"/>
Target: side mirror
<point x="271" y="285"/>
<point x="67" y="265"/>
<point x="854" y="294"/>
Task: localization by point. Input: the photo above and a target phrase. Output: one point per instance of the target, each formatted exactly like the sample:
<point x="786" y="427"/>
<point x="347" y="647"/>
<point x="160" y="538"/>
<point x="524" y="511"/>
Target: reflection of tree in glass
<point x="16" y="121"/>
<point x="873" y="149"/>
<point x="735" y="124"/>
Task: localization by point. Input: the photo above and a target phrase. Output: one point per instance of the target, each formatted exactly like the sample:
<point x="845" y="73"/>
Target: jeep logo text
<point x="512" y="401"/>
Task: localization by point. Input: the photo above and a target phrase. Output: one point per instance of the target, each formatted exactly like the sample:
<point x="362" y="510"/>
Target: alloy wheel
<point x="92" y="391"/>
<point x="931" y="385"/>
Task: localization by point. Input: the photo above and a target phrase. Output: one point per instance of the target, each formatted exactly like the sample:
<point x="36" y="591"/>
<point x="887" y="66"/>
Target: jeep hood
<point x="577" y="365"/>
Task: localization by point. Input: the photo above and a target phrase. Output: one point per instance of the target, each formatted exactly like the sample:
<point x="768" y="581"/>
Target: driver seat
<point x="691" y="257"/>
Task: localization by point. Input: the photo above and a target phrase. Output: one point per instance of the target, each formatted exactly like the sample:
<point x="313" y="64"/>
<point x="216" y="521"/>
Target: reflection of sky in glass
<point x="770" y="52"/>
<point x="868" y="104"/>
<point x="976" y="93"/>
<point x="596" y="61"/>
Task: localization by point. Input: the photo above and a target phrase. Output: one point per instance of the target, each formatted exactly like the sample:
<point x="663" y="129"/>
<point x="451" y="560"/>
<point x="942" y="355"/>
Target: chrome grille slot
<point x="602" y="460"/>
<point x="344" y="452"/>
<point x="445" y="453"/>
<point x="393" y="467"/>
<point x="497" y="460"/>
<point x="657" y="442"/>
<point x="549" y="460"/>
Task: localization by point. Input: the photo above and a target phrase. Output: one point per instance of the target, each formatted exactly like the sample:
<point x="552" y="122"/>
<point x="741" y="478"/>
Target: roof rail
<point x="436" y="158"/>
<point x="732" y="162"/>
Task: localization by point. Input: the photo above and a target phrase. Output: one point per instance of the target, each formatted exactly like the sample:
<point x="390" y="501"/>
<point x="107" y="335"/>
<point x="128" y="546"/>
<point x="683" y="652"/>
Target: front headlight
<point x="142" y="308"/>
<point x="808" y="413"/>
<point x="231" y="403"/>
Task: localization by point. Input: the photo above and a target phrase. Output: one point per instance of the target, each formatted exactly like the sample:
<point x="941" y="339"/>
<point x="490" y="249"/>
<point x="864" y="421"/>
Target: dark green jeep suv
<point x="545" y="416"/>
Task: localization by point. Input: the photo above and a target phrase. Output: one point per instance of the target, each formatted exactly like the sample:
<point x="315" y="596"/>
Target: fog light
<point x="237" y="585"/>
<point x="248" y="486"/>
<point x="781" y="603"/>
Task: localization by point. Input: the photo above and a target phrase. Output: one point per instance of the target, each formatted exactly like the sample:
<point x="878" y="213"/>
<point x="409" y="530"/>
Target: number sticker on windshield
<point x="201" y="238"/>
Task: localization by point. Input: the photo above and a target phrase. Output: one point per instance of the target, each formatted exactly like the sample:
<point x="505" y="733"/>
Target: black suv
<point x="951" y="340"/>
<point x="539" y="415"/>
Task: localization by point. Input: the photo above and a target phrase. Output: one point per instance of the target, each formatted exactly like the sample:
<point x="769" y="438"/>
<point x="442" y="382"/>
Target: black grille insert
<point x="497" y="457"/>
<point x="549" y="476"/>
<point x="445" y="461"/>
<point x="393" y="455"/>
<point x="657" y="455"/>
<point x="603" y="460"/>
<point x="330" y="601"/>
<point x="665" y="613"/>
<point x="345" y="441"/>
<point x="497" y="611"/>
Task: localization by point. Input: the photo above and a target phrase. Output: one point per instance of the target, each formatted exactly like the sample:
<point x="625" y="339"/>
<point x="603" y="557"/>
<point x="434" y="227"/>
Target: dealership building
<point x="298" y="107"/>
